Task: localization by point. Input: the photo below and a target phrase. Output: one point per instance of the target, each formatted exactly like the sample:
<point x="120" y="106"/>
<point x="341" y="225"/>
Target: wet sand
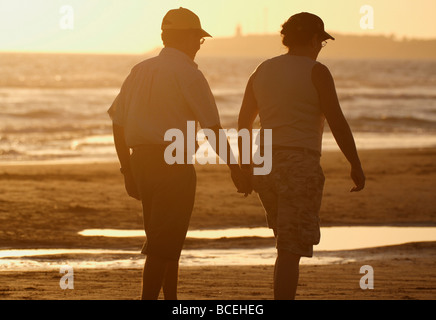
<point x="46" y="206"/>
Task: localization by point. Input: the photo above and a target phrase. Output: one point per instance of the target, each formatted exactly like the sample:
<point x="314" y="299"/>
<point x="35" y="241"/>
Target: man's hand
<point x="241" y="180"/>
<point x="131" y="188"/>
<point x="358" y="178"/>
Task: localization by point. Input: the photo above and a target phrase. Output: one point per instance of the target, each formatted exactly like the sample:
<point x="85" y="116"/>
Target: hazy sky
<point x="133" y="26"/>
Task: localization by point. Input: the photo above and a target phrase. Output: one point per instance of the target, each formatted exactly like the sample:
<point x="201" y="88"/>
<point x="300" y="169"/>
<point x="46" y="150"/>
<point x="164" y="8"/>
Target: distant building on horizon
<point x="238" y="32"/>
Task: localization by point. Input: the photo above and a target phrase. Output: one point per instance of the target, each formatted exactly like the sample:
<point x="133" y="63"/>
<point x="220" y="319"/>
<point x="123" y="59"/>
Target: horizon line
<point x="392" y="37"/>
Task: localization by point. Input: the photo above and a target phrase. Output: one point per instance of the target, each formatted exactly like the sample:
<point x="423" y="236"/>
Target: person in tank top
<point x="293" y="95"/>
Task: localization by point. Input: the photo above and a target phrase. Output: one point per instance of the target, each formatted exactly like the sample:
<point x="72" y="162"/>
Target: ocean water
<point x="53" y="107"/>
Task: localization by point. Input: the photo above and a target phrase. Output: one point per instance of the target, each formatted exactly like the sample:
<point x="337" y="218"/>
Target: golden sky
<point x="133" y="26"/>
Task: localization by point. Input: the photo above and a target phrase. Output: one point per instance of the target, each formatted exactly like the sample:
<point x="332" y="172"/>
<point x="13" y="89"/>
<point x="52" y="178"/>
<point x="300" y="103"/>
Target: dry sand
<point x="45" y="206"/>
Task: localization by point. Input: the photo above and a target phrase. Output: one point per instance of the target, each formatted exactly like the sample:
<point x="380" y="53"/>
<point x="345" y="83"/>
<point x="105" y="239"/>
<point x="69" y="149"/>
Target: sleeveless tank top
<point x="288" y="102"/>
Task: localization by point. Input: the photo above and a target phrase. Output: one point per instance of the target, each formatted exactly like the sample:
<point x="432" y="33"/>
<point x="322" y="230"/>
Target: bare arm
<point x="324" y="83"/>
<point x="240" y="181"/>
<point x="247" y="115"/>
<point x="123" y="152"/>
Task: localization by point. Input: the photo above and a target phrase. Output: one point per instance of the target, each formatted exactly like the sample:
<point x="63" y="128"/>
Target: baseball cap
<point x="182" y="19"/>
<point x="308" y="23"/>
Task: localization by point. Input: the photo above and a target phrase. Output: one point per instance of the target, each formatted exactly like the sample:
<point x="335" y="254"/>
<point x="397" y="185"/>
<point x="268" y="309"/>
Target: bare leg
<point x="171" y="280"/>
<point x="286" y="274"/>
<point x="152" y="277"/>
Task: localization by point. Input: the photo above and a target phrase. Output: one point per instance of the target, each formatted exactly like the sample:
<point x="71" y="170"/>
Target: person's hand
<point x="241" y="180"/>
<point x="130" y="185"/>
<point x="358" y="178"/>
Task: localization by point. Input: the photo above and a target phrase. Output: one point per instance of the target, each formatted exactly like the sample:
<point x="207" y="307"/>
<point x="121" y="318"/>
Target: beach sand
<point x="44" y="206"/>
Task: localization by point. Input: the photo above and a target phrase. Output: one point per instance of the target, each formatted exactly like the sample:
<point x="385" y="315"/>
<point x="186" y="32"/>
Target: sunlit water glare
<point x="333" y="239"/>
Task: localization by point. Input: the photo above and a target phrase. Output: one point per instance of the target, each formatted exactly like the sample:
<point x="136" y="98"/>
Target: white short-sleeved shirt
<point x="162" y="93"/>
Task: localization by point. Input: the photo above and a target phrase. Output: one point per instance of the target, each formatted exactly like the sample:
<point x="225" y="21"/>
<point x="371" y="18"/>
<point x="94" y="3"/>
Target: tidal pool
<point x="333" y="239"/>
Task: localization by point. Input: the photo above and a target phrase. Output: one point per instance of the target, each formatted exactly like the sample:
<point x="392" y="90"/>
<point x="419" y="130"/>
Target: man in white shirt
<point x="162" y="93"/>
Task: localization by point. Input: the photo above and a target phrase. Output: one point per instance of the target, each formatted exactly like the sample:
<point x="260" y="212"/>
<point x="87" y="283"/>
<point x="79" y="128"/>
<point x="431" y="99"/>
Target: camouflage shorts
<point x="291" y="196"/>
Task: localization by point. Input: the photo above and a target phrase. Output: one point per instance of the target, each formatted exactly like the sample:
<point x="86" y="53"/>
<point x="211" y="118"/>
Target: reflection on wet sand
<point x="334" y="239"/>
